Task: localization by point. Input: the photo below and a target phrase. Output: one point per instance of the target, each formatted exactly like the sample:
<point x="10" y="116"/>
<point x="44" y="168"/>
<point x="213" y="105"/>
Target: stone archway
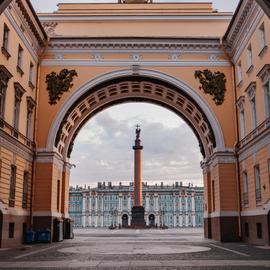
<point x="219" y="164"/>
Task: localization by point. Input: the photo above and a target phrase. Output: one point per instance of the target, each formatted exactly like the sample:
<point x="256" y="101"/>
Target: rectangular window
<point x="31" y="73"/>
<point x="30" y="109"/>
<point x="2" y="100"/>
<point x="6" y="37"/>
<point x="5" y="44"/>
<point x="259" y="230"/>
<point x="239" y="73"/>
<point x="267" y="98"/>
<point x="11" y="227"/>
<point x="253" y="112"/>
<point x="262" y="37"/>
<point x="246" y="229"/>
<point x="249" y="57"/>
<point x="20" y="60"/>
<point x="242" y="124"/>
<point x="245" y="188"/>
<point x="25" y="189"/>
<point x="257" y="183"/>
<point x="12" y="186"/>
<point x="17" y="103"/>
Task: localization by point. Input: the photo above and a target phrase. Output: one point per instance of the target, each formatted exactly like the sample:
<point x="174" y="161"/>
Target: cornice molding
<point x="242" y="27"/>
<point x="184" y="44"/>
<point x="119" y="17"/>
<point x="11" y="144"/>
<point x="33" y="21"/>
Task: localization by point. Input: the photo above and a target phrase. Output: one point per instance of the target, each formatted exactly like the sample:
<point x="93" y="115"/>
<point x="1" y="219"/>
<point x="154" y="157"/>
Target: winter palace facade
<point x="108" y="205"/>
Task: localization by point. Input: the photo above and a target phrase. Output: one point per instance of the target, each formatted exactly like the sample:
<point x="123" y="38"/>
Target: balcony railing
<point x="255" y="133"/>
<point x="7" y="128"/>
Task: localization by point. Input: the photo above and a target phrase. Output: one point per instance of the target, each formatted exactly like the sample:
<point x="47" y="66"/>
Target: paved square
<point x="137" y="249"/>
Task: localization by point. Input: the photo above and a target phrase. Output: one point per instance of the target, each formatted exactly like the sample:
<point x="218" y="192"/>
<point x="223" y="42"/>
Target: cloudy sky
<point x="103" y="148"/>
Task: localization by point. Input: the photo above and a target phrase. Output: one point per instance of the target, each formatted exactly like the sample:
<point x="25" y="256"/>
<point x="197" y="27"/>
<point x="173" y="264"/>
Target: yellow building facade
<point x="129" y="52"/>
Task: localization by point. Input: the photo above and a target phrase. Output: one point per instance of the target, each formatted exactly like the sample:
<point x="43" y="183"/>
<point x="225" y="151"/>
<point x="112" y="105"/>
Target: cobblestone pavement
<point x="137" y="249"/>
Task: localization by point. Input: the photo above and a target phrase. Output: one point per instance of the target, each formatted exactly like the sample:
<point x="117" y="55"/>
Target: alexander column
<point x="137" y="220"/>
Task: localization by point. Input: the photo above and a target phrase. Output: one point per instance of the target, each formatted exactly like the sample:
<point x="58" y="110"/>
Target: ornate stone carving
<point x="49" y="27"/>
<point x="57" y="84"/>
<point x="212" y="83"/>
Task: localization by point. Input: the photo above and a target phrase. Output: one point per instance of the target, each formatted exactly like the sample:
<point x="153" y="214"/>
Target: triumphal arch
<point x="187" y="57"/>
<point x="138" y="52"/>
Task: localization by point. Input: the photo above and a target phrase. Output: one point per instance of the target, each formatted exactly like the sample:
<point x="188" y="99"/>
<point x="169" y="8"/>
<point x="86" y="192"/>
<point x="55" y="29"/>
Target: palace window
<point x="30" y="109"/>
<point x="242" y="120"/>
<point x="25" y="189"/>
<point x="249" y="58"/>
<point x="19" y="91"/>
<point x="239" y="73"/>
<point x="2" y="99"/>
<point x="4" y="78"/>
<point x="5" y="41"/>
<point x="262" y="39"/>
<point x="252" y="98"/>
<point x="20" y="60"/>
<point x="31" y="75"/>
<point x="12" y="186"/>
<point x="267" y="98"/>
<point x="245" y="188"/>
<point x="257" y="176"/>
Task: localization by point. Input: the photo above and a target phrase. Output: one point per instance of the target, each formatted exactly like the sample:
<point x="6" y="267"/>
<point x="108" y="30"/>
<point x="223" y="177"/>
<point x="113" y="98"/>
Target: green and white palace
<point x="110" y="205"/>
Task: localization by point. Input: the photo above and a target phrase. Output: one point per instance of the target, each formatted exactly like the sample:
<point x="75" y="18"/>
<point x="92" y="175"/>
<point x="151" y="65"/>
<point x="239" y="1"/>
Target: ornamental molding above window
<point x="240" y="103"/>
<point x="251" y="90"/>
<point x="264" y="73"/>
<point x="5" y="75"/>
<point x="19" y="90"/>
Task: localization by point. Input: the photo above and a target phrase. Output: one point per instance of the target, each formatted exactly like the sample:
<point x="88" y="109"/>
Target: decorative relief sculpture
<point x="49" y="27"/>
<point x="213" y="84"/>
<point x="57" y="84"/>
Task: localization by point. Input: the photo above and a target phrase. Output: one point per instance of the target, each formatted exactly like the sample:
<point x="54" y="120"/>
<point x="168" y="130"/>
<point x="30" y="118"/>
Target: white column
<point x="83" y="210"/>
<point x="120" y="203"/>
<point x="147" y="208"/>
<point x="155" y="203"/>
<point x="181" y="221"/>
<point x="129" y="202"/>
<point x="129" y="220"/>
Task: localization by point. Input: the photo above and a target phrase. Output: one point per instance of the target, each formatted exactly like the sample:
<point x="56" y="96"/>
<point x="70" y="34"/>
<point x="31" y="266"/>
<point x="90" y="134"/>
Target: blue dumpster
<point x="43" y="236"/>
<point x="30" y="237"/>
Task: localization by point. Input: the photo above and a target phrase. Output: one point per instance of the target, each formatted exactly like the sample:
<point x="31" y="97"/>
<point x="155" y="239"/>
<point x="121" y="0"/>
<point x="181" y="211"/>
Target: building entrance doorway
<point x="152" y="220"/>
<point x="125" y="221"/>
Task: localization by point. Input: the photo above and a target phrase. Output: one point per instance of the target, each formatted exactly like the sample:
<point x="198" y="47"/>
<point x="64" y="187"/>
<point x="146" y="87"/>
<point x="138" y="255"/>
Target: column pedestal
<point x="137" y="220"/>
